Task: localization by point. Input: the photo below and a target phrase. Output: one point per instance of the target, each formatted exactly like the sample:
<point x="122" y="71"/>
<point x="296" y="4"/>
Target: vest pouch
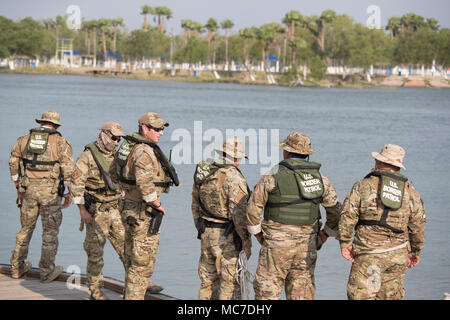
<point x="38" y="142"/>
<point x="311" y="185"/>
<point x="391" y="192"/>
<point x="124" y="152"/>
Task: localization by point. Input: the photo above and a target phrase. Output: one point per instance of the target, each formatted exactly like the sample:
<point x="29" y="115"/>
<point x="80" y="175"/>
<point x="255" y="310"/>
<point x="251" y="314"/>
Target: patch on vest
<point x="310" y="184"/>
<point x="38" y="142"/>
<point x="391" y="192"/>
<point x="123" y="152"/>
<point x="204" y="170"/>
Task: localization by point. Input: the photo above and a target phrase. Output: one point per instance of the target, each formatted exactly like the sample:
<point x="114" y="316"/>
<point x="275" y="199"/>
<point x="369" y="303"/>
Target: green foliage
<point x="196" y="50"/>
<point x="286" y="78"/>
<point x="8" y="44"/>
<point x="149" y="43"/>
<point x="317" y="68"/>
<point x="328" y="37"/>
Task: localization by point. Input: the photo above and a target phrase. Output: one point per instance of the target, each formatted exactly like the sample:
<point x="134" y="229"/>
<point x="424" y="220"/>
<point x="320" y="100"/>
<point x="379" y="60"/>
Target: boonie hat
<point x="114" y="128"/>
<point x="49" y="116"/>
<point x="153" y="119"/>
<point x="234" y="148"/>
<point x="297" y="143"/>
<point x="391" y="154"/>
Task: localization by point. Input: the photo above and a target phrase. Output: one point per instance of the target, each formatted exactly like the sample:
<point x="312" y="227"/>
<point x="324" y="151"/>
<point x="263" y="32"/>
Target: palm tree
<point x="85" y="27"/>
<point x="211" y="25"/>
<point x="162" y="12"/>
<point x="264" y="34"/>
<point x="433" y="24"/>
<point x="393" y="27"/>
<point x="292" y="19"/>
<point x="145" y="10"/>
<point x="116" y="22"/>
<point x="102" y="23"/>
<point x="327" y="17"/>
<point x="94" y="24"/>
<point x="245" y="34"/>
<point x="186" y="24"/>
<point x="197" y="28"/>
<point x="226" y="25"/>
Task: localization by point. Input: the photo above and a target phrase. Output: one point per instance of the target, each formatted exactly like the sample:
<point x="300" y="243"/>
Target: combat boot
<point x="17" y="273"/>
<point x="153" y="287"/>
<point x="98" y="294"/>
<point x="53" y="275"/>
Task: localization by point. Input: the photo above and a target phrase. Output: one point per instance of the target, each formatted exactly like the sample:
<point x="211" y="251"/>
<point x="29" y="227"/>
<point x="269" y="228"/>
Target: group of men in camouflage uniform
<point x="116" y="192"/>
<point x="380" y="226"/>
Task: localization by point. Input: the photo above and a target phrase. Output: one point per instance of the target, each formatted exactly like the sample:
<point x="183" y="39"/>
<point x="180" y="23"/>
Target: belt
<point x="210" y="224"/>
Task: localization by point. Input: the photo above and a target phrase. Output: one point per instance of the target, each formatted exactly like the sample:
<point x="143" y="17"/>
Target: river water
<point x="345" y="125"/>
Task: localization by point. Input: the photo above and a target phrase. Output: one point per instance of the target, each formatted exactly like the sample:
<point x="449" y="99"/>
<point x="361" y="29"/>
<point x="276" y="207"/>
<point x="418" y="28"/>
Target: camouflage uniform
<point x="39" y="184"/>
<point x="289" y="252"/>
<point x="217" y="264"/>
<point x="88" y="188"/>
<point x="381" y="255"/>
<point x="145" y="169"/>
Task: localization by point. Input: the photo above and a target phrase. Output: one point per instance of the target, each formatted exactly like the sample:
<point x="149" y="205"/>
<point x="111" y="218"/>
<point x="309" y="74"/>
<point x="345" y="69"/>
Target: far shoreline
<point x="330" y="81"/>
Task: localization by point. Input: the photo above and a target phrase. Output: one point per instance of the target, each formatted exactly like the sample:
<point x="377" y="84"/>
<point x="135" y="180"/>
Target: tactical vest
<point x="297" y="194"/>
<point x="103" y="165"/>
<point x="38" y="157"/>
<point x="203" y="175"/>
<point x="125" y="150"/>
<point x="391" y="190"/>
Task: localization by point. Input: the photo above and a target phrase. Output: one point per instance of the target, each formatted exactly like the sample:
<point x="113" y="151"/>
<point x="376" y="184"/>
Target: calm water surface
<point x="344" y="126"/>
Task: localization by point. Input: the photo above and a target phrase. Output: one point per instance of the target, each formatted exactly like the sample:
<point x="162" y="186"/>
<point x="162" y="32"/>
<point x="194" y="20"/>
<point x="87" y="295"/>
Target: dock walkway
<point x="31" y="288"/>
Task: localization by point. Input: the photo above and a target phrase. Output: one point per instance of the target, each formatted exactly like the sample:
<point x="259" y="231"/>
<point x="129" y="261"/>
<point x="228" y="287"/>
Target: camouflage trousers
<point x="107" y="224"/>
<point x="217" y="266"/>
<point x="140" y="251"/>
<point x="39" y="199"/>
<point x="289" y="264"/>
<point x="378" y="276"/>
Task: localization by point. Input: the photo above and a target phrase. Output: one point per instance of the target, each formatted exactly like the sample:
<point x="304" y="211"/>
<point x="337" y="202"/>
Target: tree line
<point x="326" y="40"/>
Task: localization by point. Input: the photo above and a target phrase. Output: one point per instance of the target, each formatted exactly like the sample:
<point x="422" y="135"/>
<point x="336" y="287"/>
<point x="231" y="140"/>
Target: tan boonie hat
<point x="297" y="143"/>
<point x="234" y="148"/>
<point x="153" y="119"/>
<point x="114" y="128"/>
<point x="49" y="116"/>
<point x="391" y="154"/>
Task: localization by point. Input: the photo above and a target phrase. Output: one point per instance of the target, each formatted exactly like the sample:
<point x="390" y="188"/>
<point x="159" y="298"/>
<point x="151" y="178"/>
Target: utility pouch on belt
<point x="201" y="228"/>
<point x="236" y="239"/>
<point x="88" y="201"/>
<point x="155" y="222"/>
<point x="61" y="188"/>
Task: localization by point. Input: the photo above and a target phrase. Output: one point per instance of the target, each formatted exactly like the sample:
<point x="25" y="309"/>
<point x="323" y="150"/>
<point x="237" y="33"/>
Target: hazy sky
<point x="243" y="13"/>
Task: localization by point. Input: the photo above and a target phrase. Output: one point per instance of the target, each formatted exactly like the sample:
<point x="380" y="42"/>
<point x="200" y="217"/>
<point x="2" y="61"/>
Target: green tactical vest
<point x="36" y="146"/>
<point x="297" y="195"/>
<point x="103" y="165"/>
<point x="127" y="146"/>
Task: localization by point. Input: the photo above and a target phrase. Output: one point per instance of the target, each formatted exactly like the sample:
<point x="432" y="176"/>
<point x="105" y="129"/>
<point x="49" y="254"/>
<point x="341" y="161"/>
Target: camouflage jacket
<point x="231" y="202"/>
<point x="58" y="149"/>
<point x="86" y="176"/>
<point x="276" y="231"/>
<point x="362" y="203"/>
<point x="143" y="167"/>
